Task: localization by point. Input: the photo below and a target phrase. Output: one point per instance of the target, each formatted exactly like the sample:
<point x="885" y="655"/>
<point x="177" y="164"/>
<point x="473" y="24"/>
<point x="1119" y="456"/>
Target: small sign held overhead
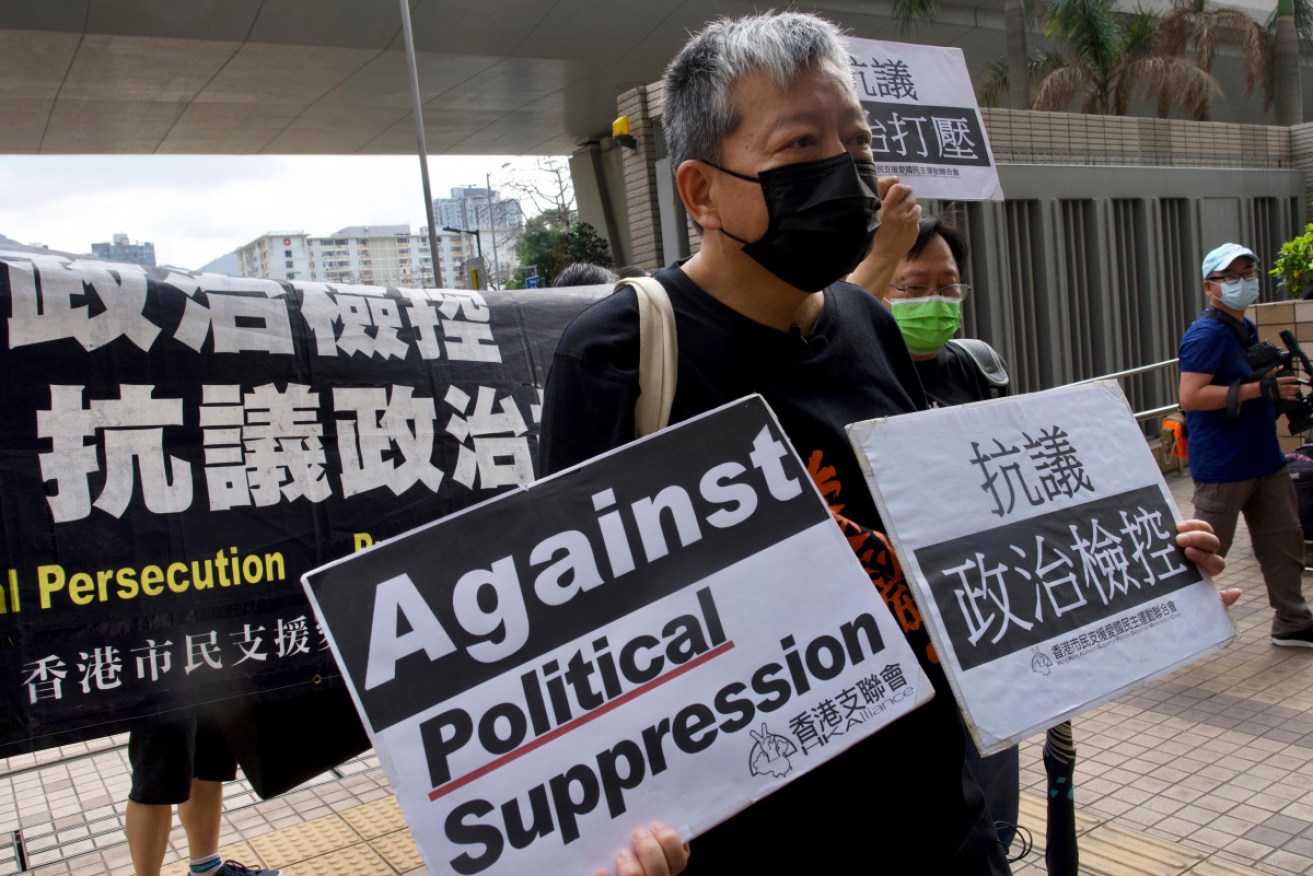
<point x="926" y="127"/>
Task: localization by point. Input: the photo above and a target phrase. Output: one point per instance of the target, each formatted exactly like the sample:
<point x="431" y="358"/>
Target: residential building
<point x="468" y="207"/>
<point x="123" y="250"/>
<point x="371" y="255"/>
<point x="374" y="255"/>
<point x="277" y="255"/>
<point x="498" y="219"/>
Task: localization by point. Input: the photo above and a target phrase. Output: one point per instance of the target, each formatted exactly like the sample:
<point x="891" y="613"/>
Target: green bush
<point x="1294" y="265"/>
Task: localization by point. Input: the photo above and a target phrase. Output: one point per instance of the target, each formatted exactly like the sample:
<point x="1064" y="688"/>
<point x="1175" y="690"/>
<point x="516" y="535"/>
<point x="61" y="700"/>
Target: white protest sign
<point x="925" y="124"/>
<point x="1039" y="538"/>
<point x="668" y="632"/>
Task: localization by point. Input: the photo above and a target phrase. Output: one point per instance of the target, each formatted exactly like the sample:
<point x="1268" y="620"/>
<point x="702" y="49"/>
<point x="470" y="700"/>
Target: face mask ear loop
<point x="745" y="178"/>
<point x="735" y="237"/>
<point x="742" y="176"/>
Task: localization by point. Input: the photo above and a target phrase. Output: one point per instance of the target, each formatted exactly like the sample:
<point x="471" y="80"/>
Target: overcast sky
<point x="197" y="208"/>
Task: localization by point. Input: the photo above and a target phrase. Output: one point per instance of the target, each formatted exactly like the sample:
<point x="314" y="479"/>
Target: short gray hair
<point x="698" y="110"/>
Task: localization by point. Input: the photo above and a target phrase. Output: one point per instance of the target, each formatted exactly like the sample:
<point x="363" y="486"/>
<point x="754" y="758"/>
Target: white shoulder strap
<point x="658" y="355"/>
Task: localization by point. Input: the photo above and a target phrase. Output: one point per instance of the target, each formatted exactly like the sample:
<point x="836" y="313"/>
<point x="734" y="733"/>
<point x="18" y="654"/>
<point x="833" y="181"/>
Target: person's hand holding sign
<point x="1200" y="545"/>
<point x="656" y="852"/>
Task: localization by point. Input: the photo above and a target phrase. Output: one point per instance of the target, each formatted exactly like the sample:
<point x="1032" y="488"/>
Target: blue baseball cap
<point x="1224" y="255"/>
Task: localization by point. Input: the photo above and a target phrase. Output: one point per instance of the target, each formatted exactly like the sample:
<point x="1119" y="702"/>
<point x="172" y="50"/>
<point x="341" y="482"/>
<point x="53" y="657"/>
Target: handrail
<point x="1128" y="372"/>
<point x="1157" y="412"/>
<point x="1140" y="416"/>
<point x="1153" y="413"/>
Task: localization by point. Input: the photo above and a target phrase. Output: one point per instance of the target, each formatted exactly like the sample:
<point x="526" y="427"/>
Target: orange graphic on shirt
<point x="824" y="478"/>
<point x="874" y="552"/>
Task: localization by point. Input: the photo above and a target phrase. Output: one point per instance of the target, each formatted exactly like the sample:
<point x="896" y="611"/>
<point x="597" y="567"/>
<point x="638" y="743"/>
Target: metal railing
<point x="1152" y="413"/>
<point x="1140" y="416"/>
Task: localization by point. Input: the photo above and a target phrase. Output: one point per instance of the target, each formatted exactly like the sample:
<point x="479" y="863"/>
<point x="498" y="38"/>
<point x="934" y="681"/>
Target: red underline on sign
<point x="578" y="722"/>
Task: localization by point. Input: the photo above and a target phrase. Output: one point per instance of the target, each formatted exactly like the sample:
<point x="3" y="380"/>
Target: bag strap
<point x="1243" y="334"/>
<point x="987" y="360"/>
<point x="658" y="355"/>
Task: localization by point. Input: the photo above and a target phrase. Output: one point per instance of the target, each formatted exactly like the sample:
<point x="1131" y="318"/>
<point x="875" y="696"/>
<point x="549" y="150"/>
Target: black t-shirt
<point x="900" y="801"/>
<point x="952" y="378"/>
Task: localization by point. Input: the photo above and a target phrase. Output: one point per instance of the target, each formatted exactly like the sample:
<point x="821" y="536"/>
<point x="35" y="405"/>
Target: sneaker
<point x="1302" y="639"/>
<point x="232" y="868"/>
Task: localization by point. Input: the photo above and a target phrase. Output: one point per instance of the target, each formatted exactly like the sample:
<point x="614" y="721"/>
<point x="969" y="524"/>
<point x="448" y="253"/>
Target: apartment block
<point x="371" y="255"/>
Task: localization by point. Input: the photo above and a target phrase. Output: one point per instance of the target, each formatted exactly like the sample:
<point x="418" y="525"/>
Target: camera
<point x="1264" y="356"/>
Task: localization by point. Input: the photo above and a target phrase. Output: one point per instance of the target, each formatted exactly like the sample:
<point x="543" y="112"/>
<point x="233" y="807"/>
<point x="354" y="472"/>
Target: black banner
<point x="951" y="136"/>
<point x="1006" y="589"/>
<point x="179" y="449"/>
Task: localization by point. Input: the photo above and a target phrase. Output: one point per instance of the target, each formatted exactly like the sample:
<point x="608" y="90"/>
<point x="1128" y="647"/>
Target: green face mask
<point x="926" y="323"/>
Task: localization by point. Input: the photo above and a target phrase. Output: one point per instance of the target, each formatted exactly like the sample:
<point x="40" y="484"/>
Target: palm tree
<point x="996" y="86"/>
<point x="1189" y="24"/>
<point x="1289" y="97"/>
<point x="911" y="14"/>
<point x="1110" y="62"/>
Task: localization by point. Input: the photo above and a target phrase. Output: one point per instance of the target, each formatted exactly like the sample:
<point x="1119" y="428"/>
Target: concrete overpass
<point x="328" y="76"/>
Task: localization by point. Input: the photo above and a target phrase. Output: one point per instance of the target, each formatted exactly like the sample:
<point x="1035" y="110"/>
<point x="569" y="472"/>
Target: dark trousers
<point x="1272" y="517"/>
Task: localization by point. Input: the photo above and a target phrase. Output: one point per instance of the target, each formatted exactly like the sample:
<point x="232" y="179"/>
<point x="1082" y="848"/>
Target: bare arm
<point x="1199" y="394"/>
<point x="900" y="216"/>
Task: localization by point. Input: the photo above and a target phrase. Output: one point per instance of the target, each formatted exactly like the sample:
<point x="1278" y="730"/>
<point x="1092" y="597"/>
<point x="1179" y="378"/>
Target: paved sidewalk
<point x="1208" y="771"/>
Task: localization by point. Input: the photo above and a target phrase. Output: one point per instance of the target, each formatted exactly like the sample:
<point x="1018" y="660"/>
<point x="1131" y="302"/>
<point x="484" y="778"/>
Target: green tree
<point x="587" y="246"/>
<point x="1293" y="267"/>
<point x="1110" y="61"/>
<point x="550" y="243"/>
<point x="537" y="248"/>
<point x="555" y="238"/>
<point x="1191" y="25"/>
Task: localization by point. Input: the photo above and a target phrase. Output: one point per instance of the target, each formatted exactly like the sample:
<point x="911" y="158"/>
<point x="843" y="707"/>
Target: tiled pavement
<point x="1208" y="771"/>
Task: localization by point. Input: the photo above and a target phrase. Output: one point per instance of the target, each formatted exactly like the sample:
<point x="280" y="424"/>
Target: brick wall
<point x="1301" y="156"/>
<point x="1028" y="137"/>
<point x="642" y="105"/>
<point x="1016" y="137"/>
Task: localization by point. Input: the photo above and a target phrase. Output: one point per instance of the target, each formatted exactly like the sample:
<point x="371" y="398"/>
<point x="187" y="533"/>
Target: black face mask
<point x="822" y="219"/>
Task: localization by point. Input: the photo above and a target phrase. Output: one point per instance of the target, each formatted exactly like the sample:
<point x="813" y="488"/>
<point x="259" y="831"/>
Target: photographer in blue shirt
<point x="1235" y="459"/>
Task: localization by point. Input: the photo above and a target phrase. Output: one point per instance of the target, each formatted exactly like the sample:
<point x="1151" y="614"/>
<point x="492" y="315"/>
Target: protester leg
<point x="213" y="764"/>
<point x="147" y="828"/>
<point x="1272" y="517"/>
<point x="201" y="817"/>
<point x="161" y="757"/>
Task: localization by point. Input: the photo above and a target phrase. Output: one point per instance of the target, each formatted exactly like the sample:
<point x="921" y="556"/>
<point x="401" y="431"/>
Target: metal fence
<point x="1088" y="271"/>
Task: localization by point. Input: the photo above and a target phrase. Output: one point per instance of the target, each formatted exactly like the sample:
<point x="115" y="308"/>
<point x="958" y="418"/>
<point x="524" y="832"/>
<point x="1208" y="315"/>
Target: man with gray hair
<point x="774" y="164"/>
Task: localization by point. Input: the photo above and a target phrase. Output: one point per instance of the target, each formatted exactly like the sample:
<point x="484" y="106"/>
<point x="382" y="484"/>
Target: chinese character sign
<point x="672" y="631"/>
<point x="178" y="449"/>
<point x="1040" y="540"/>
<point x="925" y="124"/>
